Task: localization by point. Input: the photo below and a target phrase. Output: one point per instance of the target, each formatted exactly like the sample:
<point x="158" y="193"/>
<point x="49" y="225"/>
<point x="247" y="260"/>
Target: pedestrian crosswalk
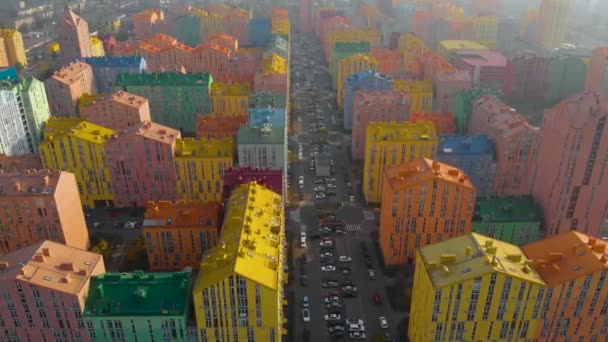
<point x="353" y="227"/>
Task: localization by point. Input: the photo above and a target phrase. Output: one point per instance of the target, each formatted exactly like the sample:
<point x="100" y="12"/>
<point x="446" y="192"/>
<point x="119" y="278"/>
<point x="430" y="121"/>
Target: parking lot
<point x="351" y="223"/>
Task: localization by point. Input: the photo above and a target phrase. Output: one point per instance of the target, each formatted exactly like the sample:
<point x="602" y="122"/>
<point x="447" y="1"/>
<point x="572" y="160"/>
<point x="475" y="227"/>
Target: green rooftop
<point x="263" y="135"/>
<point x="354" y="47"/>
<point x="164" y="79"/>
<point x="139" y="294"/>
<point x="506" y="209"/>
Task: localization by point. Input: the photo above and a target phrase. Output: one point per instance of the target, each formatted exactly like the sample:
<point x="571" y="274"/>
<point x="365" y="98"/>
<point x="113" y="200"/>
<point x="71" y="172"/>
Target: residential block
<point x="274" y="116"/>
<point x="485" y="30"/>
<point x="73" y="36"/>
<point x="365" y="80"/>
<point x="349" y="66"/>
<point x="115" y="111"/>
<point x="463" y="106"/>
<point x="217" y="126"/>
<point x="262" y="148"/>
<point x="67" y="85"/>
<point x="14" y="47"/>
<point x="106" y="69"/>
<point x="20" y="163"/>
<point x="229" y="98"/>
<point x="487" y="69"/>
<point x="444" y="122"/>
<point x="420" y="92"/>
<point x="552" y="18"/>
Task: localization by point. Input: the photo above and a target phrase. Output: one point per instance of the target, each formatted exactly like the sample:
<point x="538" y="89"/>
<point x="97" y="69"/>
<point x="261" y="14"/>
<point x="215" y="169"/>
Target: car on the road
<point x="331" y="299"/>
<point x="306" y="335"/>
<point x="354" y="321"/>
<point x="330" y="284"/>
<point x="344" y="258"/>
<point x="306" y="315"/>
<point x="326" y="254"/>
<point x="356" y="327"/>
<point x="304" y="280"/>
<point x="325" y="230"/>
<point x="377" y="298"/>
<point x="328" y="268"/>
<point x="340" y="231"/>
<point x="332" y="317"/>
<point x="336" y="328"/>
<point x="346" y="282"/>
<point x="319" y="188"/>
<point x="326" y="243"/>
<point x="383" y="322"/>
<point x="371" y="274"/>
<point x="351" y="198"/>
<point x="331" y="186"/>
<point x="357" y="335"/>
<point x="305" y="302"/>
<point x="319" y="181"/>
<point x="349" y="288"/>
<point x="333" y="305"/>
<point x="320" y="195"/>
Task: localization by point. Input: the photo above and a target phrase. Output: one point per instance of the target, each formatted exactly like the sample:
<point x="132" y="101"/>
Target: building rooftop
<point x="341" y="48"/>
<point x="50" y="265"/>
<point x="414" y="86"/>
<point x="482" y="58"/>
<point x="473" y="255"/>
<point x="262" y="135"/>
<point x="139" y="294"/>
<point x="29" y="182"/>
<point x="114" y="61"/>
<point x="250" y="240"/>
<point x="375" y="97"/>
<point x="182" y="214"/>
<point x="190" y="148"/>
<point x="121" y="97"/>
<point x="70" y="73"/>
<point x="504" y="119"/>
<point x="462" y="45"/>
<point x="164" y="79"/>
<point x="7" y="32"/>
<point x="358" y="57"/>
<point x="230" y="89"/>
<point x="568" y="256"/>
<point x="453" y="75"/>
<point x="355" y="78"/>
<point x="19" y="163"/>
<point x="465" y="145"/>
<point x="57" y="128"/>
<point x="506" y="209"/>
<point x="220" y="123"/>
<point x="379" y="132"/>
<point x="153" y="131"/>
<point x="251" y="171"/>
<point x="420" y="170"/>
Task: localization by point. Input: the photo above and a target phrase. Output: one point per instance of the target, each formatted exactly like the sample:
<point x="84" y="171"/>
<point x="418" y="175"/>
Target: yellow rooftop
<point x="378" y="132"/>
<point x="413" y="86"/>
<point x="230" y="89"/>
<point x="204" y="148"/>
<point x="358" y="57"/>
<point x="50" y="265"/>
<point x="250" y="240"/>
<point x="57" y="128"/>
<point x="474" y="255"/>
<point x="275" y="64"/>
<point x="461" y="45"/>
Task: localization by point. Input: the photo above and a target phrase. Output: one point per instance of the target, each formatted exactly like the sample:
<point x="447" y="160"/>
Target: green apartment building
<point x="513" y="219"/>
<point x="139" y="306"/>
<point x="30" y="95"/>
<point x="188" y="29"/>
<point x="175" y="99"/>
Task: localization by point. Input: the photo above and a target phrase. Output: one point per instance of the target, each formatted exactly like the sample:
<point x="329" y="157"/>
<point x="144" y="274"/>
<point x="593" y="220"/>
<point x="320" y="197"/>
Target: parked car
<point x="331" y="299"/>
<point x="328" y="268"/>
<point x="377" y="299"/>
<point x="329" y="284"/>
<point x="371" y="274"/>
<point x="306" y="315"/>
<point x="383" y="322"/>
<point x="332" y="317"/>
<point x="356" y="335"/>
<point x="305" y="302"/>
<point x="344" y="258"/>
<point x="350" y="321"/>
<point x="356" y="327"/>
<point x="326" y="243"/>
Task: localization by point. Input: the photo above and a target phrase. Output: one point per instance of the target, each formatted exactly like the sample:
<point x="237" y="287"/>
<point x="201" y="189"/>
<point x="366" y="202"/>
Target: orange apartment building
<point x="218" y="126"/>
<point x="116" y="111"/>
<point x="40" y="205"/>
<point x="224" y="40"/>
<point x="390" y="62"/>
<point x="423" y="202"/>
<point x="148" y="22"/>
<point x="444" y="122"/>
<point x="67" y="85"/>
<point x="20" y="163"/>
<point x="574" y="307"/>
<point x="178" y="233"/>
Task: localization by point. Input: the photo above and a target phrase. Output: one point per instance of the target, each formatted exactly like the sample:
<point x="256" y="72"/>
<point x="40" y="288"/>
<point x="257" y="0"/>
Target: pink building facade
<point x="67" y="85"/>
<point x="141" y="164"/>
<point x="47" y="200"/>
<point x="242" y="68"/>
<point x="237" y="25"/>
<point x="516" y="144"/>
<point x="571" y="181"/>
<point x="488" y="69"/>
<point x="529" y="74"/>
<point x="214" y="59"/>
<point x="45" y="286"/>
<point x="447" y="85"/>
<point x="376" y="106"/>
<point x="120" y="110"/>
<point x="73" y="36"/>
<point x="224" y="40"/>
<point x="270" y="82"/>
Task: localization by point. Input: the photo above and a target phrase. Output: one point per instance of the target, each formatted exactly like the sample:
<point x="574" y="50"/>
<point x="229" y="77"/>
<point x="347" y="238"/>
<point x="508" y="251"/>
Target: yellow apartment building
<point x="474" y="288"/>
<point x="421" y="94"/>
<point x="242" y="278"/>
<point x="392" y="143"/>
<point x="15" y="49"/>
<point x="97" y="47"/>
<point x="230" y="98"/>
<point x="280" y="26"/>
<point x="349" y="66"/>
<point x="200" y="165"/>
<point x="77" y="146"/>
<point x="485" y="31"/>
<point x="373" y="37"/>
<point x="275" y="64"/>
<point x="411" y="48"/>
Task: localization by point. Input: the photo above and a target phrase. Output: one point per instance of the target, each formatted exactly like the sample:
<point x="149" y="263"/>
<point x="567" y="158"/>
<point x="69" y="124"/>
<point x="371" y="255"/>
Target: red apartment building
<point x="233" y="177"/>
<point x="116" y="111"/>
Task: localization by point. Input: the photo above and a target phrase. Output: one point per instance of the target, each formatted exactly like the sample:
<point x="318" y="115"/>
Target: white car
<point x="320" y="195"/>
<point x="306" y="315"/>
<point x="327" y="254"/>
<point x="356" y="335"/>
<point x="305" y="302"/>
<point x="356" y="327"/>
<point x="383" y="322"/>
<point x="350" y="321"/>
<point x="344" y="258"/>
<point x="326" y="243"/>
<point x="332" y="299"/>
<point x="371" y="274"/>
<point x="328" y="268"/>
<point x="333" y="317"/>
<point x="352" y="198"/>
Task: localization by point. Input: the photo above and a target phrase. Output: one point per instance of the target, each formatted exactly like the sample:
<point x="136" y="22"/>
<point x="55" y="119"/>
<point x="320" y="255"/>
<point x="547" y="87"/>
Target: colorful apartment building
<point x="200" y="165"/>
<point x="188" y="29"/>
<point x="22" y="99"/>
<point x="224" y="40"/>
<point x="96" y="47"/>
<point x="274" y="76"/>
<point x="569" y="170"/>
<point x="512" y="219"/>
<point x="529" y="72"/>
<point x="141" y="164"/>
<point x="566" y="76"/>
<point x="229" y="99"/>
<point x="363" y="81"/>
<point x="474" y="155"/>
<point x="455" y="279"/>
<point x="53" y="279"/>
<point x="4" y="62"/>
<point x="20" y="163"/>
<point x="14" y="47"/>
<point x="444" y="122"/>
<point x="463" y="106"/>
<point x="278" y="45"/>
<point x="349" y="66"/>
<point x="553" y="16"/>
<point x="262" y="148"/>
<point x="178" y="233"/>
<point x="516" y="144"/>
<point x="390" y="62"/>
<point x="409" y="197"/>
<point x="375" y="106"/>
<point x="148" y="22"/>
<point x="259" y="31"/>
<point x="265" y="100"/>
<point x="421" y="94"/>
<point x="67" y="85"/>
<point x="248" y="258"/>
<point x="237" y="23"/>
<point x="235" y="176"/>
<point x="392" y="143"/>
<point x="372" y="37"/>
<point x="448" y="84"/>
<point x="107" y="69"/>
<point x="72" y="34"/>
<point x="597" y="76"/>
<point x="175" y="99"/>
<point x="447" y="48"/>
<point x="573" y="265"/>
<point x="485" y="30"/>
<point x="115" y="111"/>
<point x="47" y="200"/>
<point x="260" y="116"/>
<point x="488" y="69"/>
<point x="412" y="48"/>
<point x="242" y="66"/>
<point x="9" y="73"/>
<point x="217" y="126"/>
<point x="86" y="158"/>
<point x="138" y="306"/>
<point x="342" y="50"/>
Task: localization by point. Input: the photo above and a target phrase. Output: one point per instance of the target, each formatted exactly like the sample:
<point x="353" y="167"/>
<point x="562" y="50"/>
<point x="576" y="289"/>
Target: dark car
<point x="306" y="334"/>
<point x="363" y="245"/>
<point x="304" y="280"/>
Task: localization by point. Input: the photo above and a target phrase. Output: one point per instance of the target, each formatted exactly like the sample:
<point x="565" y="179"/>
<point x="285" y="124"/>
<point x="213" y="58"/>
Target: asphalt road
<point x="314" y="99"/>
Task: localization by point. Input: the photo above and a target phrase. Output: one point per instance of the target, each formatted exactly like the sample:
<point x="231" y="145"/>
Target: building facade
<point x="349" y="66"/>
<point x="216" y="126"/>
<point x="552" y="18"/>
<point x="365" y="80"/>
<point x="247" y="265"/>
<point x="455" y="279"/>
<point x="474" y="155"/>
<point x="54" y="279"/>
<point x="67" y="85"/>
<point x="420" y="92"/>
<point x="20" y="163"/>
<point x="86" y="158"/>
<point x="233" y="177"/>
<point x="392" y="143"/>
<point x="444" y="122"/>
<point x="117" y="111"/>
<point x="13" y="138"/>
<point x="416" y="195"/>
<point x="487" y="69"/>
<point x="274" y="116"/>
<point x="568" y="179"/>
<point x="106" y="69"/>
<point x="229" y="98"/>
<point x="73" y="36"/>
<point x="463" y="106"/>
<point x="15" y="49"/>
<point x="262" y="148"/>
